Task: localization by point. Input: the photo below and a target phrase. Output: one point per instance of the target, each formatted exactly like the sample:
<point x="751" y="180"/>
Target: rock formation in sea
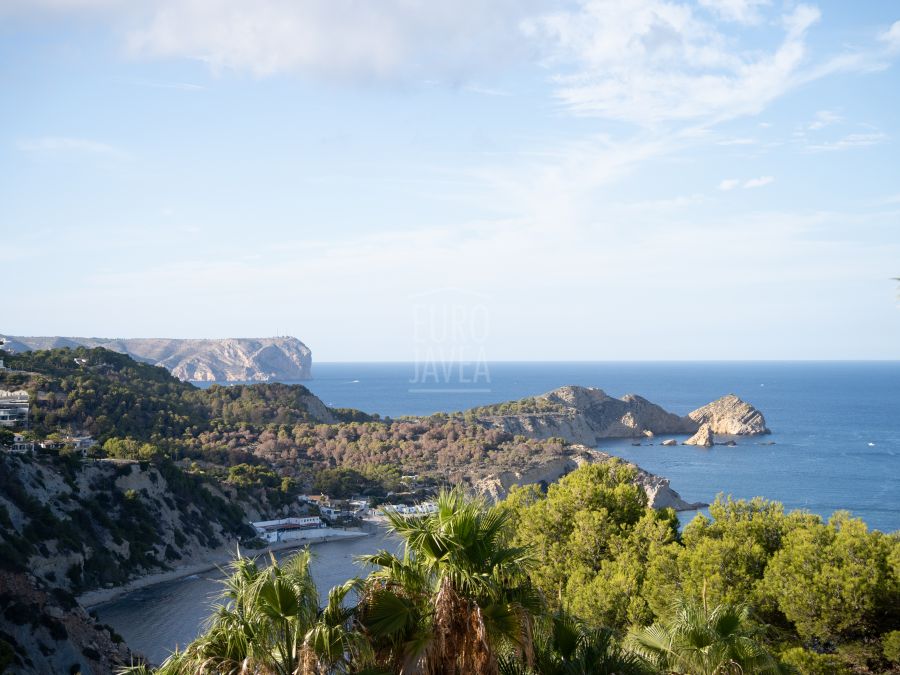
<point x="730" y="416"/>
<point x="209" y="360"/>
<point x="588" y="416"/>
<point x="703" y="437"/>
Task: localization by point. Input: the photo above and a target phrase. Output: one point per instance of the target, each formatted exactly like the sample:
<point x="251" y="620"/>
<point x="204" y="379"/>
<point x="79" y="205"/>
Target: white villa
<point x="423" y="509"/>
<point x="287" y="529"/>
<point x="21" y="445"/>
<point x="13" y="408"/>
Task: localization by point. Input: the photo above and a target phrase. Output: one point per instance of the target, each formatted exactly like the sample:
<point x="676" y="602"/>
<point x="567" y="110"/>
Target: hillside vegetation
<point x="583" y="579"/>
<point x="138" y="411"/>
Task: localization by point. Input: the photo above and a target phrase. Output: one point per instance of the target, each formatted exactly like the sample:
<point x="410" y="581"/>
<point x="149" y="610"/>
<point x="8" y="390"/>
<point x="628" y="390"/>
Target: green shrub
<point x="810" y="663"/>
<point x="890" y="646"/>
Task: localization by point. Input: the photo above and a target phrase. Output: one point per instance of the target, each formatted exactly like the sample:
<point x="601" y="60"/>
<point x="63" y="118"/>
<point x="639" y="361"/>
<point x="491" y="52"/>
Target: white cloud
<point x="758" y="182"/>
<point x="651" y="61"/>
<point x="737" y="141"/>
<point x="60" y="144"/>
<point x="729" y="184"/>
<point x="335" y="38"/>
<point x="849" y="142"/>
<point x="891" y="37"/>
<point x="742" y="11"/>
<point x="822" y="119"/>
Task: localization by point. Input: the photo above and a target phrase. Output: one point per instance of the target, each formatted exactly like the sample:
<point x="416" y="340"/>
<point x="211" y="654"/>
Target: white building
<point x="423" y="509"/>
<point x="81" y="443"/>
<point x="337" y="510"/>
<point x="286" y="529"/>
<point x="13" y="408"/>
<point x="21" y="445"/>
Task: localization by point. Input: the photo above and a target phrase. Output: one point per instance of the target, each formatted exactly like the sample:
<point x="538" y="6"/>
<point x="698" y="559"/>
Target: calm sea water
<point x="156" y="619"/>
<point x="836" y="429"/>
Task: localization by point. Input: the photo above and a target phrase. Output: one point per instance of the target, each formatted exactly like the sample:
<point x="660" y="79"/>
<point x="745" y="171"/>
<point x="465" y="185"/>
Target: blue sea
<point x="835" y="425"/>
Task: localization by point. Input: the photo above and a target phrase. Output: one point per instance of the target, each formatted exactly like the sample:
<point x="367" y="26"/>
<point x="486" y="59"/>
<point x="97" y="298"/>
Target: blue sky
<point x="590" y="180"/>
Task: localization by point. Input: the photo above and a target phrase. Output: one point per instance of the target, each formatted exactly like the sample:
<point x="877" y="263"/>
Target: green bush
<point x="810" y="663"/>
<point x="890" y="646"/>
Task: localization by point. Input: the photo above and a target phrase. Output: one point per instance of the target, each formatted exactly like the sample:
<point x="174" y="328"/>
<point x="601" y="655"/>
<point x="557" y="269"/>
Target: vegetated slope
<point x="207" y="360"/>
<point x="109" y="394"/>
<point x="80" y="525"/>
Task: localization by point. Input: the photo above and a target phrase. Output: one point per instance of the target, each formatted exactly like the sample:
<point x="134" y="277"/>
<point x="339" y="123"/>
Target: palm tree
<point x="335" y="644"/>
<point x="563" y="645"/>
<point x="456" y="596"/>
<point x="703" y="641"/>
<point x="268" y="622"/>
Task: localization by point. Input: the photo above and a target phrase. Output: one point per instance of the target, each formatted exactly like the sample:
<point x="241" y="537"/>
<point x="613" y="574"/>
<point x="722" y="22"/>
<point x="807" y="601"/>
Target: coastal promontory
<point x="210" y="360"/>
<point x="588" y="415"/>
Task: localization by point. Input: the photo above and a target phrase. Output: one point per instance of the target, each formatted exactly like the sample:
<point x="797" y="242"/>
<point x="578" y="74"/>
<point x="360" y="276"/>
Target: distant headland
<point x="207" y="360"/>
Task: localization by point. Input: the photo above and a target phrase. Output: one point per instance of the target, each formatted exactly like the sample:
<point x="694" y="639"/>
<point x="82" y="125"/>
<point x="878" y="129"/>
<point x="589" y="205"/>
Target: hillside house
<point x="13" y="408"/>
<point x="286" y="529"/>
<point x="21" y="445"/>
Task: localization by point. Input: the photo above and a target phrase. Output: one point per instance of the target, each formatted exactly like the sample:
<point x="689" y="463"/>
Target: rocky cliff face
<point x="659" y="494"/>
<point x="588" y="415"/>
<point x="46" y="631"/>
<point x="226" y="360"/>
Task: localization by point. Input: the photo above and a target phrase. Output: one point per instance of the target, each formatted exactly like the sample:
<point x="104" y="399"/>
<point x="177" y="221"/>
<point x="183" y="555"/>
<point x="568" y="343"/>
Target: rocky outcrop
<point x="588" y="415"/>
<point x="730" y="416"/>
<point x="659" y="494"/>
<point x="226" y="360"/>
<point x="496" y="486"/>
<point x="703" y="437"/>
<point x="45" y="631"/>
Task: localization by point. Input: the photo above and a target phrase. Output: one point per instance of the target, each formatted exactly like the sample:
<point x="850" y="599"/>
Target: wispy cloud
<point x="822" y="119"/>
<point x="180" y="86"/>
<point x="737" y="141"/>
<point x="487" y="91"/>
<point x="338" y="39"/>
<point x="849" y="142"/>
<point x="653" y="61"/>
<point x="762" y="181"/>
<point x="66" y="144"/>
<point x="729" y="184"/>
<point x="741" y="11"/>
<point x="891" y="37"/>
